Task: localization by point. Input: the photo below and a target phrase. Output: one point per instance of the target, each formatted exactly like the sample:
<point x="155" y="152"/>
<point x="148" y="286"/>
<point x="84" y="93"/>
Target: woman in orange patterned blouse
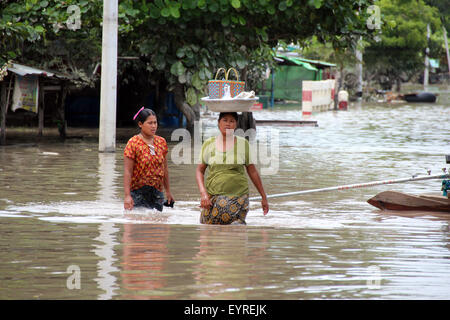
<point x="146" y="172"/>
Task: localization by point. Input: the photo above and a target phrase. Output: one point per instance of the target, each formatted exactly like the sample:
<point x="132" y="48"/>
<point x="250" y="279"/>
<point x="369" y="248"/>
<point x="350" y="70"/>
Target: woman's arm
<point x="254" y="176"/>
<point x="166" y="183"/>
<point x="128" y="202"/>
<point x="205" y="201"/>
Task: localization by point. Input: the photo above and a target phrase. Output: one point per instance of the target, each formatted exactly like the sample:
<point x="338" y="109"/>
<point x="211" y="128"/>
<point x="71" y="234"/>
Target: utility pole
<point x="108" y="90"/>
<point x="359" y="70"/>
<point x="427" y="60"/>
<point x="446" y="49"/>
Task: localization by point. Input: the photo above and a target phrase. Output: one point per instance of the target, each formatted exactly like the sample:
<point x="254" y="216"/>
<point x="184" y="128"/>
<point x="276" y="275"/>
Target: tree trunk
<point x="62" y="124"/>
<point x="3" y="107"/>
<point x="196" y="109"/>
<point x="244" y="76"/>
<point x="398" y="85"/>
<point x="246" y="121"/>
<point x="184" y="107"/>
<point x="340" y="77"/>
<point x="41" y="108"/>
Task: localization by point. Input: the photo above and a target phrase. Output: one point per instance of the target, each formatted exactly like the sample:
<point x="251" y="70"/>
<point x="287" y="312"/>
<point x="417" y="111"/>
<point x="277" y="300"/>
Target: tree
<point x="188" y="40"/>
<point x="180" y="42"/>
<point x="444" y="15"/>
<point x="343" y="57"/>
<point x="399" y="55"/>
<point x="50" y="34"/>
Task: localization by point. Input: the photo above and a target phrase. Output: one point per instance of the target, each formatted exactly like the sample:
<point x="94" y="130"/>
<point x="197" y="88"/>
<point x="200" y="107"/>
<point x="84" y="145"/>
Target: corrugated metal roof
<point x="318" y="62"/>
<point x="306" y="62"/>
<point x="298" y="62"/>
<point x="23" y="70"/>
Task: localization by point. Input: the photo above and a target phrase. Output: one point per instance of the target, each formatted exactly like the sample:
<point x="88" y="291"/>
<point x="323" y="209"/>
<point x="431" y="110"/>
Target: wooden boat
<point x="393" y="200"/>
<point x="420" y="97"/>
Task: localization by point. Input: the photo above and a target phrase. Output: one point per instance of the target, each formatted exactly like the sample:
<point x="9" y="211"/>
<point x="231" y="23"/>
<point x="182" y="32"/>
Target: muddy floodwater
<point x="64" y="233"/>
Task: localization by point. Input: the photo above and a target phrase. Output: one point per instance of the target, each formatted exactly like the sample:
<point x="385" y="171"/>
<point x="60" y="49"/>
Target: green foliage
<point x="182" y="42"/>
<point x="189" y="40"/>
<point x="400" y="53"/>
<point x="443" y="8"/>
<point x="41" y="33"/>
<point x="342" y="57"/>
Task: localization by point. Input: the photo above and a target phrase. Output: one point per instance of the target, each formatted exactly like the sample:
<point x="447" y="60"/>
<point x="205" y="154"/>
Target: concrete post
<point x="108" y="94"/>
<point x="446" y="49"/>
<point x="307" y="99"/>
<point x="427" y="60"/>
<point x="359" y="70"/>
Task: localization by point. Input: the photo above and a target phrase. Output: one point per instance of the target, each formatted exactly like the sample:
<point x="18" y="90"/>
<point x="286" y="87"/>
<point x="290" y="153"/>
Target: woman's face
<point x="149" y="126"/>
<point x="227" y="122"/>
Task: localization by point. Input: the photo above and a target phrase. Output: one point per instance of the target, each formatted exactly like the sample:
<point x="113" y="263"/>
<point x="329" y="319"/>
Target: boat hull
<point x="420" y="97"/>
<point x="392" y="200"/>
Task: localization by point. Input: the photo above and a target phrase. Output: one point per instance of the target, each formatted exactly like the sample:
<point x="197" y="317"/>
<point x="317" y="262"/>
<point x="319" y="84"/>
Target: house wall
<point x="288" y="82"/>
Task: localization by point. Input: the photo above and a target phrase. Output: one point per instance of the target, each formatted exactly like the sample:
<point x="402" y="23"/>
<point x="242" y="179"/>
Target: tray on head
<point x="229" y="105"/>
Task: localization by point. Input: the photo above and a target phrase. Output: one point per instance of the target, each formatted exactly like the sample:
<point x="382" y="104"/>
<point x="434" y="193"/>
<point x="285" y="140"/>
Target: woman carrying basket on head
<point x="224" y="199"/>
<point x="146" y="172"/>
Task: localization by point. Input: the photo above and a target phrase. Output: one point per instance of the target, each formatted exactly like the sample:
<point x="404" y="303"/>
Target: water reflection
<point x="62" y="204"/>
<point x="145" y="260"/>
<point x="226" y="262"/>
<point x="107" y="230"/>
<point x="106" y="281"/>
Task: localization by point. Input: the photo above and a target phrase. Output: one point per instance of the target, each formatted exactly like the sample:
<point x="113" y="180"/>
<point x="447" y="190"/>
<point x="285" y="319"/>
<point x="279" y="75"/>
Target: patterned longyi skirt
<point x="226" y="210"/>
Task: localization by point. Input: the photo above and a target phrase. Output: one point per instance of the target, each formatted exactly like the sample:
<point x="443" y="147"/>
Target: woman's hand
<point x="128" y="203"/>
<point x="169" y="197"/>
<point x="254" y="176"/>
<point x="265" y="205"/>
<point x="205" y="201"/>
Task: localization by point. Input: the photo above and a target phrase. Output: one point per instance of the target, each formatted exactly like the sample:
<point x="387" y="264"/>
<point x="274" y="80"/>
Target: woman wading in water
<point x="146" y="172"/>
<point x="224" y="200"/>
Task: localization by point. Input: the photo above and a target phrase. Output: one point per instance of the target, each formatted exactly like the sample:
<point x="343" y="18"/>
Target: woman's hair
<point x="233" y="114"/>
<point x="143" y="114"/>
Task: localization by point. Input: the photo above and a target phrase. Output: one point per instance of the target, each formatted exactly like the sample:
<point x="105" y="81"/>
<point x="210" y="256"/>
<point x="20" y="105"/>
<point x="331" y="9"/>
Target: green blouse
<point x="226" y="174"/>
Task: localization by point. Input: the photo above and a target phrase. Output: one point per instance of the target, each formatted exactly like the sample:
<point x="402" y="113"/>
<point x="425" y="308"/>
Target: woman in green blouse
<point x="224" y="200"/>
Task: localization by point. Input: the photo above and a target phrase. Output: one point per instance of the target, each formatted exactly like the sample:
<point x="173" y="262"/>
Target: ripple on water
<point x="64" y="207"/>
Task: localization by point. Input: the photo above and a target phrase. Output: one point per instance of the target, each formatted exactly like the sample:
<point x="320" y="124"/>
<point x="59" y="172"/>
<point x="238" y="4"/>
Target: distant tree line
<point x="395" y="51"/>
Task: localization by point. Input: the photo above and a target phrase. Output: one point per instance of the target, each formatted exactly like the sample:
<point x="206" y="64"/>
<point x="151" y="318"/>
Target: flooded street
<point x="64" y="233"/>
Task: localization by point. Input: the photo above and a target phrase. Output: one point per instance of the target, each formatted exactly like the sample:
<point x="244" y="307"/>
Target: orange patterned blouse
<point x="148" y="169"/>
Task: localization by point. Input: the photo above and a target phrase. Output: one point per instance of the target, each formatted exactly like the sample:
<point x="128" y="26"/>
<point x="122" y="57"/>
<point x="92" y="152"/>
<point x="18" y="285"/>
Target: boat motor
<point x="446" y="183"/>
